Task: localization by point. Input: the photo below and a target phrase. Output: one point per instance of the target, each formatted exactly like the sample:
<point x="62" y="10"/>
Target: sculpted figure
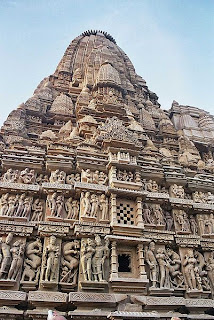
<point x="163" y="268"/>
<point x="69" y="208"/>
<point x="158" y="213"/>
<point x="27" y="206"/>
<point x="193" y="225"/>
<point x="152" y="186"/>
<point x="125" y="175"/>
<point x="176" y="191"/>
<point x="9" y="176"/>
<point x="94" y="205"/>
<point x="202" y="280"/>
<point x="12" y="205"/>
<point x="70" y="262"/>
<point x="130" y="176"/>
<point x="39" y="179"/>
<point x="70" y="179"/>
<point x="75" y="209"/>
<point x="6" y="256"/>
<point x="37" y="209"/>
<point x="208" y="228"/>
<point x="210" y="198"/>
<point x="51" y="259"/>
<point x="196" y="197"/>
<point x="212" y="221"/>
<point x="51" y="202"/>
<point x="100" y="254"/>
<point x="72" y="208"/>
<point x="4" y="204"/>
<point x="119" y="175"/>
<point x="57" y="176"/>
<point x="86" y="259"/>
<point x="104" y="207"/>
<point x="95" y="177"/>
<point x="27" y="176"/>
<point x="32" y="261"/>
<point x="181" y="218"/>
<point x="102" y="178"/>
<point x="59" y="206"/>
<point x="17" y="252"/>
<point x="85" y="204"/>
<point x="20" y="208"/>
<point x="147" y="214"/>
<point x="189" y="265"/>
<point x="169" y="221"/>
<point x="86" y="176"/>
<point x="210" y="268"/>
<point x="152" y="262"/>
<point x="176" y="275"/>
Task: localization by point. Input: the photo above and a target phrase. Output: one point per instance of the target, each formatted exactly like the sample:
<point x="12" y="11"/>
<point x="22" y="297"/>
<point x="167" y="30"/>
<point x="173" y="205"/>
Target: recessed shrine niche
<point x="106" y="200"/>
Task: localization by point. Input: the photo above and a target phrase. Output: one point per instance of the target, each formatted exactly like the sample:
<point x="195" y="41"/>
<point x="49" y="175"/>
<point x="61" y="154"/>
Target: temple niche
<point x="106" y="200"/>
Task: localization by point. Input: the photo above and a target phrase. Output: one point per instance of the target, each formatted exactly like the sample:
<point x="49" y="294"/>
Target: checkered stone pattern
<point x="125" y="214"/>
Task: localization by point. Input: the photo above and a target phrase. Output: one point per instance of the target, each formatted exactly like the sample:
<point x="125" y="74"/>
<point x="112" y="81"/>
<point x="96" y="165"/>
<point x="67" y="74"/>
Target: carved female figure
<point x="4" y="204"/>
<point x="94" y="205"/>
<point x="59" y="206"/>
<point x="12" y="205"/>
<point x="158" y="213"/>
<point x="104" y="207"/>
<point x="86" y="260"/>
<point x="210" y="268"/>
<point x="6" y="255"/>
<point x="189" y="270"/>
<point x="20" y="205"/>
<point x="52" y="253"/>
<point x="96" y="177"/>
<point x="17" y="252"/>
<point x="163" y="268"/>
<point x="102" y="178"/>
<point x="75" y="209"/>
<point x="51" y="201"/>
<point x="27" y="206"/>
<point x="37" y="209"/>
<point x="69" y="208"/>
<point x="193" y="225"/>
<point x="147" y="214"/>
<point x="85" y="204"/>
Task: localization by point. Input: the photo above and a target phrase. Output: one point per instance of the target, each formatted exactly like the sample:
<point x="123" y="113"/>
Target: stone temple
<point x="106" y="200"/>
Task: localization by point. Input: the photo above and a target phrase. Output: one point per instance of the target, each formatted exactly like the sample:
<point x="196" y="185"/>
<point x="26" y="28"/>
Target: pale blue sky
<point x="170" y="43"/>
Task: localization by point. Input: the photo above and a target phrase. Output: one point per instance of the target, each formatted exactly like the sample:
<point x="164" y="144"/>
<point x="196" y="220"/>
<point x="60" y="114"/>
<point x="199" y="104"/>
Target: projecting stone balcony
<point x="48" y="187"/>
<point x="89" y="186"/>
<point x="158" y="197"/>
<point x="202" y="207"/>
<point x="125" y="184"/>
<point x="179" y="202"/>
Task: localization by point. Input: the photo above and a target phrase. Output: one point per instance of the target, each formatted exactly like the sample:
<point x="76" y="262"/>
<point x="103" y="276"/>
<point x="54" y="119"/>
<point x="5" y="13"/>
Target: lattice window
<point x="125" y="214"/>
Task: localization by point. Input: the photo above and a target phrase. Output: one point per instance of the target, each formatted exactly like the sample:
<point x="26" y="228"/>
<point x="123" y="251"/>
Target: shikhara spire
<point x="107" y="200"/>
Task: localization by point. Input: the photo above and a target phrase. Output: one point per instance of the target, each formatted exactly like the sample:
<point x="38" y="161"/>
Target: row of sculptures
<point x="52" y="261"/>
<point x="59" y="262"/>
<point x="95" y="207"/>
<point x="99" y="177"/>
<point x="21" y="206"/>
<point x="168" y="271"/>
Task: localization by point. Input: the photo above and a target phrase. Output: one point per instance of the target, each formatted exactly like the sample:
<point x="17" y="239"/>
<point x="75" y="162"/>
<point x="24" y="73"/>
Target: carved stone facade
<point x="106" y="200"/>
